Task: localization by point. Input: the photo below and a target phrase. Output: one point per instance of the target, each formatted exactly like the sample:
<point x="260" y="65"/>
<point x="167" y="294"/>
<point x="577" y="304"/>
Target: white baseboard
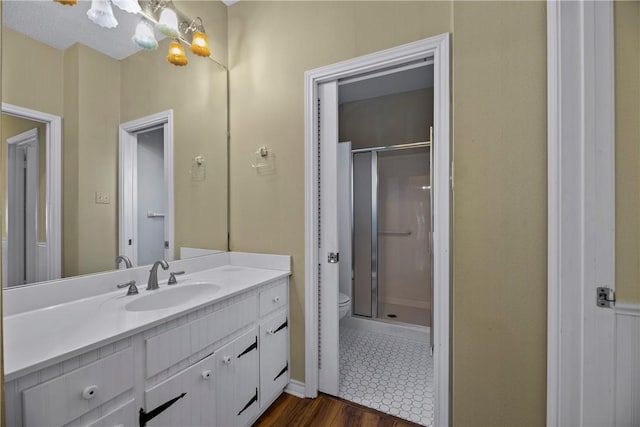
<point x="295" y="388"/>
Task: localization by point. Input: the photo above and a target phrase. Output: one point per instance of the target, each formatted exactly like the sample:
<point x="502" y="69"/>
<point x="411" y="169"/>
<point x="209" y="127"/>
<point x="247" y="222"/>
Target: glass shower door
<point x="404" y="225"/>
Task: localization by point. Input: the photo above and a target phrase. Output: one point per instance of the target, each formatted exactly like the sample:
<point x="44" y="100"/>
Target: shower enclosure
<point x="392" y="220"/>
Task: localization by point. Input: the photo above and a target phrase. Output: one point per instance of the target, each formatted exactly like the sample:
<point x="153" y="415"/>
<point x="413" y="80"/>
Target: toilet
<point x="344" y="304"/>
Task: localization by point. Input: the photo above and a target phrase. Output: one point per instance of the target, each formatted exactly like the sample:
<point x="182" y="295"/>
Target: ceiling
<point x="358" y="89"/>
<point x="62" y="26"/>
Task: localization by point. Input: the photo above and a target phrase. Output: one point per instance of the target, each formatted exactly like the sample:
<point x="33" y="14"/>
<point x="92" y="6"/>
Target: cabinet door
<point x="274" y="357"/>
<point x="196" y="408"/>
<point x="236" y="379"/>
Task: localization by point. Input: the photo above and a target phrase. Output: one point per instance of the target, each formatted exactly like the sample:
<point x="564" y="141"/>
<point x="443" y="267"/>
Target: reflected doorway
<point x="22" y="187"/>
<point x="31" y="196"/>
<point x="146" y="189"/>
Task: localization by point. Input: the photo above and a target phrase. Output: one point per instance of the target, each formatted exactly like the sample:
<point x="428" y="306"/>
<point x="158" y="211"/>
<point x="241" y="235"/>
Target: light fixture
<point x="67" y="2"/>
<point x="102" y="14"/>
<point x="177" y="55"/>
<point x="199" y="42"/>
<point x="168" y="22"/>
<point x="144" y="36"/>
<point x="130" y="6"/>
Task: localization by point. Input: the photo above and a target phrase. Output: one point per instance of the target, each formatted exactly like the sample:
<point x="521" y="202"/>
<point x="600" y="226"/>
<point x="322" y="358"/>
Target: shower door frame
<point x="436" y="48"/>
<point x="374" y="222"/>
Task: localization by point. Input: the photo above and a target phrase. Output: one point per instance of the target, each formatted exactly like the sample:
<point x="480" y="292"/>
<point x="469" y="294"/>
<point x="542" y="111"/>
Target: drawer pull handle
<point x="276" y="299"/>
<point x="279" y="328"/>
<point x="206" y="374"/>
<point x="226" y="360"/>
<point x="90" y="392"/>
<point x="253" y="346"/>
<point x="285" y="369"/>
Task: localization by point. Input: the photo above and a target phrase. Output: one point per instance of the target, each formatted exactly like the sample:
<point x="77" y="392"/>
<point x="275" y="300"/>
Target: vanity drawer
<point x="169" y="348"/>
<point x="124" y="415"/>
<point x="274" y="298"/>
<point x="65" y="398"/>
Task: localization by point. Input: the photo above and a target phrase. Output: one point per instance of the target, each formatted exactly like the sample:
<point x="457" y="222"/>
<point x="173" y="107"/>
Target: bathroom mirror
<point x="141" y="157"/>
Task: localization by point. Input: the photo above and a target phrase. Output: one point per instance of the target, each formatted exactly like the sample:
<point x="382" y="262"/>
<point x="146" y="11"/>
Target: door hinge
<point x="605" y="297"/>
<point x="166" y="244"/>
<point x="333" y="257"/>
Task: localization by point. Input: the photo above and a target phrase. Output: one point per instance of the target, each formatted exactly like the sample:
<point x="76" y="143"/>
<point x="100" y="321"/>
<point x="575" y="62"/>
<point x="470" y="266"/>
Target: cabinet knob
<point x="226" y="360"/>
<point x="270" y="332"/>
<point x="276" y="299"/>
<point x="89" y="392"/>
<point x="206" y="374"/>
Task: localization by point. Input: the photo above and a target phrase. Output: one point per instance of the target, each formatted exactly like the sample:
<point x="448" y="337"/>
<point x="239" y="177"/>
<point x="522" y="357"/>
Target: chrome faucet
<point x="127" y="261"/>
<point x="152" y="283"/>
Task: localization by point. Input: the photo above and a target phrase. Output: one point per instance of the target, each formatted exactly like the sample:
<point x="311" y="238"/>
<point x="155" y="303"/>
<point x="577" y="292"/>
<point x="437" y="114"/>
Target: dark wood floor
<point x="324" y="411"/>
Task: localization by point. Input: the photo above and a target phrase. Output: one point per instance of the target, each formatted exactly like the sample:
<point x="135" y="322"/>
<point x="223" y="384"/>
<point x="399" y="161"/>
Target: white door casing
<point x="329" y="272"/>
<point x="127" y="183"/>
<point x="437" y="48"/>
<point x="581" y="221"/>
<point x="50" y="255"/>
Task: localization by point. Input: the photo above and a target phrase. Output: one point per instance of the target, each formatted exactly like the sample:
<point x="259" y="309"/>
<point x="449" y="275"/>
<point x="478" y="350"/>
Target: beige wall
<point x="499" y="144"/>
<point x="627" y="152"/>
<point x="500" y="209"/>
<point x="32" y="74"/>
<point x="91" y="160"/>
<point x="387" y="120"/>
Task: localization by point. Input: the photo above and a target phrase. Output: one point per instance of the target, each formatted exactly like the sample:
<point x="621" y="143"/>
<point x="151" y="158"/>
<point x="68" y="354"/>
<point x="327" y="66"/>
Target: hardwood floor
<point x="324" y="411"/>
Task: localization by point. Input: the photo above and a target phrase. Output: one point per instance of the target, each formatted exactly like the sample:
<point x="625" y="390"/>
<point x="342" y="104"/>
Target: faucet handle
<point x="172" y="277"/>
<point x="133" y="289"/>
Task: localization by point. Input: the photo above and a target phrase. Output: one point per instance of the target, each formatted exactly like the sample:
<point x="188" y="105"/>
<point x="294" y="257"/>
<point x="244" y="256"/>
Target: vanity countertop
<point x="38" y="338"/>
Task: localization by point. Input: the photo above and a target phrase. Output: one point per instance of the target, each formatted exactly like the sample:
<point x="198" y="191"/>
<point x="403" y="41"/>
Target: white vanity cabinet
<point x="230" y="359"/>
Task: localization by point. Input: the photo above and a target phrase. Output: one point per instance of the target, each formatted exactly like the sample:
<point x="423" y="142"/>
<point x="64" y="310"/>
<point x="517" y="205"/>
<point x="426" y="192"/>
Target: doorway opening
<point x="23" y="189"/>
<point x="31" y="197"/>
<point x="146" y="189"/>
<point x="377" y="227"/>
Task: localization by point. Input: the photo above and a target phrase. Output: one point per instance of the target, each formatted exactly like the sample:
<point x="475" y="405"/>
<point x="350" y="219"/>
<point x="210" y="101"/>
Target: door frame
<point x="127" y="174"/>
<point x="581" y="212"/>
<point x="438" y="48"/>
<point x="53" y="187"/>
<point x="17" y="249"/>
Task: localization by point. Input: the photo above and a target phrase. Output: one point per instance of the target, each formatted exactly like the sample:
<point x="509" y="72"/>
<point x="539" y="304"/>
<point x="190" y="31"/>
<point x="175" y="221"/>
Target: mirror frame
<point x="53" y="198"/>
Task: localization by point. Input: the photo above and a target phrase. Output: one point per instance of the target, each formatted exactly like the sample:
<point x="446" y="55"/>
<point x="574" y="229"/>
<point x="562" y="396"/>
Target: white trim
<point x="438" y="48"/>
<point x="128" y="167"/>
<point x="295" y="388"/>
<point x="581" y="221"/>
<point x="53" y="214"/>
<point x="627" y="309"/>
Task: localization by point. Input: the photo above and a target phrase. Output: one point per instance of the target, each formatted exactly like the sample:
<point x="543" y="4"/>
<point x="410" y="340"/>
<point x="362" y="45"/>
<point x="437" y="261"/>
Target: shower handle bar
<point x="395" y="233"/>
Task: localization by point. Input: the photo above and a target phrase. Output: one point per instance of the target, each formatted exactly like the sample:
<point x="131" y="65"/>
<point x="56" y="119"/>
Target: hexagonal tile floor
<point x="392" y="374"/>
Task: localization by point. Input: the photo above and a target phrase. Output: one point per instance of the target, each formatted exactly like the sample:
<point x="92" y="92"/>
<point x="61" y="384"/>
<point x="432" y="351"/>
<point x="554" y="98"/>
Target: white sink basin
<point x="166" y="298"/>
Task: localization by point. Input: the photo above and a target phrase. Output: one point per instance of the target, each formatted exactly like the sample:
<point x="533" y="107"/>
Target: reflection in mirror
<point x="31" y="196"/>
<point x="143" y="162"/>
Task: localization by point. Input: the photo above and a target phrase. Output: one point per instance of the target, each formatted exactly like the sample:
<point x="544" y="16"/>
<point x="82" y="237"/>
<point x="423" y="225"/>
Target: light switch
<point x="102" y="197"/>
